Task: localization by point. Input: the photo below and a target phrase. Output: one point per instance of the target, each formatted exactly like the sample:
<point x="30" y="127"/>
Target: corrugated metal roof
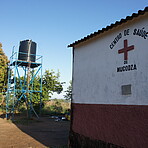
<point x="140" y="12"/>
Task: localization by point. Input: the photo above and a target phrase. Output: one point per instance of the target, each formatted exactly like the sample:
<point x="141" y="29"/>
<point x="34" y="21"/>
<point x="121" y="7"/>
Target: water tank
<point x="27" y="51"/>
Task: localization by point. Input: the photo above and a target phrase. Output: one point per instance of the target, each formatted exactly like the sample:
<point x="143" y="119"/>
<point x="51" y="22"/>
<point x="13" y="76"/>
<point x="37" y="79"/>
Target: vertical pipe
<point x="15" y="90"/>
<point x="8" y="95"/>
<point x="41" y="89"/>
<point x="28" y="79"/>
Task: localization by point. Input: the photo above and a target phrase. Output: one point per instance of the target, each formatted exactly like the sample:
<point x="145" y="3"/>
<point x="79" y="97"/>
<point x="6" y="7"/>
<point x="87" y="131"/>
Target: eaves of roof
<point x="134" y="15"/>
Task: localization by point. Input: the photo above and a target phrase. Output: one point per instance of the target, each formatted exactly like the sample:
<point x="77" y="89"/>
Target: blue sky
<point x="54" y="24"/>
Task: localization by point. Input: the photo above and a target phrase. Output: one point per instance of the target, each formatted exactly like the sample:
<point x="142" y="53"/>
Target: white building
<point x="110" y="86"/>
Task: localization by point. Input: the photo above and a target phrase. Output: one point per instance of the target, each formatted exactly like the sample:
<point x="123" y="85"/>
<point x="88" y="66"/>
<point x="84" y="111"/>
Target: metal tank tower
<point x="25" y="68"/>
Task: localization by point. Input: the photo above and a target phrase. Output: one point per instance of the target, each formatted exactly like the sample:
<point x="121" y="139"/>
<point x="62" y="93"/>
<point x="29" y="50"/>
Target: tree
<point x="3" y="70"/>
<point x="68" y="95"/>
<point x="51" y="84"/>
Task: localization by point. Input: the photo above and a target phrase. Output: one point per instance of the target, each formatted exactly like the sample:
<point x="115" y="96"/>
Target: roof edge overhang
<point x="117" y="23"/>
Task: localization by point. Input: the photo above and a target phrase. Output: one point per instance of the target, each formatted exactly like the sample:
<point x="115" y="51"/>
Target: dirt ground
<point x="42" y="133"/>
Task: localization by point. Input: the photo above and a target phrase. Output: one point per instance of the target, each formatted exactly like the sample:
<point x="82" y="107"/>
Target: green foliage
<point x="51" y="84"/>
<point x="3" y="70"/>
<point x="56" y="107"/>
<point x="52" y="107"/>
<point x="68" y="95"/>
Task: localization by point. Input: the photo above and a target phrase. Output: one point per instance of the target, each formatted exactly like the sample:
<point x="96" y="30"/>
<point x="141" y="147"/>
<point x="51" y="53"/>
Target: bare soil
<point x="42" y="133"/>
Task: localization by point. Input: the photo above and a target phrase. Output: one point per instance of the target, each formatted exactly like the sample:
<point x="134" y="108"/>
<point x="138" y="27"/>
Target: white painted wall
<point x="95" y="76"/>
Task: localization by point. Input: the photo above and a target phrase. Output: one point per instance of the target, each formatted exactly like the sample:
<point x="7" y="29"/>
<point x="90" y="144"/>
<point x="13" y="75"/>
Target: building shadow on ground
<point x="45" y="129"/>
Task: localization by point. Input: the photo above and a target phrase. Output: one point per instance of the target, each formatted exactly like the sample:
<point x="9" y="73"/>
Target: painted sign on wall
<point x="127" y="48"/>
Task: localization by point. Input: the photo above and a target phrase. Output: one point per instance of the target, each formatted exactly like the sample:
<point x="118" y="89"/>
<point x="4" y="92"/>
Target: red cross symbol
<point x="126" y="49"/>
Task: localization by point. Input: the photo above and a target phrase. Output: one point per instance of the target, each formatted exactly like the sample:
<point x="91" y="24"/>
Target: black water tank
<point x="27" y="51"/>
